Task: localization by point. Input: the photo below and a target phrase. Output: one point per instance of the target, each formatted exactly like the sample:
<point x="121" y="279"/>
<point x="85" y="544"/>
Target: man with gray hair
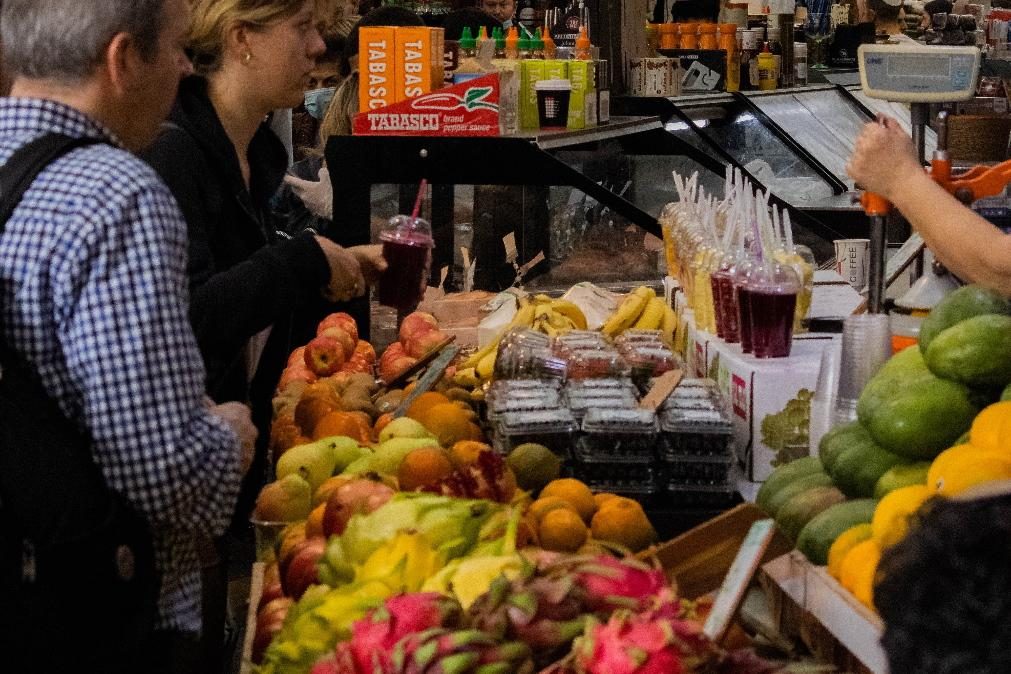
<point x="93" y="297"/>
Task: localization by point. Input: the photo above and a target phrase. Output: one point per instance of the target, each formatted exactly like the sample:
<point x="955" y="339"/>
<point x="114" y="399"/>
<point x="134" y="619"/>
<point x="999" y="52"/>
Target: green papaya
<point x="840" y="439"/>
<point x="803" y="508"/>
<point x="817" y="536"/>
<point x="904" y="370"/>
<point x="800" y="485"/>
<point x="902" y="475"/>
<point x="784" y="475"/>
<point x="858" y="469"/>
<point x="975" y="352"/>
<point x="920" y="422"/>
<point x="964" y="303"/>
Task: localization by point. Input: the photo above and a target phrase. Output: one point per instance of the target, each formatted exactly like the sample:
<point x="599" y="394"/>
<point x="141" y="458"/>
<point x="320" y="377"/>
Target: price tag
<point x="511" y="252"/>
<point x="662" y="387"/>
<point x="525" y="269"/>
<point x="443" y="275"/>
<point x="728" y="601"/>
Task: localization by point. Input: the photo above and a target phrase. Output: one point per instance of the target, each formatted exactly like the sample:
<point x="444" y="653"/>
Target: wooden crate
<point x="699" y="559"/>
<point x="811" y="605"/>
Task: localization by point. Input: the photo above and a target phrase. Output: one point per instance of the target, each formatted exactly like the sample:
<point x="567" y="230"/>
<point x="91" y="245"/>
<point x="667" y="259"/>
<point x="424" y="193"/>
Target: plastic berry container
<point x="634" y="480"/>
<point x="553" y="428"/>
<point x="639" y="337"/>
<point x="687" y="469"/>
<point x="700" y="496"/>
<point x="545" y="399"/>
<point x="596" y="364"/>
<point x="603" y="386"/>
<point x="525" y="359"/>
<point x="506" y="388"/>
<point x="579" y="405"/>
<point x="618" y="436"/>
<point x="697" y="432"/>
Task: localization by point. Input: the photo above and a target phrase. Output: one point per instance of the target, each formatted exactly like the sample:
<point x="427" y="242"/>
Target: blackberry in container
<point x="618" y="436"/>
<point x="525" y="401"/>
<point x="580" y="404"/>
<point x="697" y="432"/>
<point x="599" y="363"/>
<point x="528" y="360"/>
<point x="692" y="470"/>
<point x="553" y="428"/>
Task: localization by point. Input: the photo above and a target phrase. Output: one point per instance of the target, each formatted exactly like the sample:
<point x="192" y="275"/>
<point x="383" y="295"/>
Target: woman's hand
<point x="883" y="159"/>
<point x="346" y="279"/>
<point x="370" y="261"/>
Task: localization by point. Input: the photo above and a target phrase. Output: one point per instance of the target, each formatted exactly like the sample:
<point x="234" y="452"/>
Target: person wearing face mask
<point x="323" y="82"/>
<point x="223" y="165"/>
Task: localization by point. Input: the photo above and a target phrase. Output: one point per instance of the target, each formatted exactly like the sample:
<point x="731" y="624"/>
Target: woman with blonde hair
<point x="223" y="164"/>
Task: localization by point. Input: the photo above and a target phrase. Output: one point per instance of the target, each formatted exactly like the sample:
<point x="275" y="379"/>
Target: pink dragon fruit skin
<point x="374" y="636"/>
<point x="340" y="661"/>
<point x="612" y="583"/>
<point x="629" y="646"/>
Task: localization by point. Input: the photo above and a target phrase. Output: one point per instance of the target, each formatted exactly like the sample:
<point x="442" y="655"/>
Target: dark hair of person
<point x="944" y="591"/>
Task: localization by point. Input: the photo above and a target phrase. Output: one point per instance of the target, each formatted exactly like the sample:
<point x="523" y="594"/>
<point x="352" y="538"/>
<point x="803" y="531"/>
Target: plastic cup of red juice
<point x="407" y="247"/>
<point x="772" y="294"/>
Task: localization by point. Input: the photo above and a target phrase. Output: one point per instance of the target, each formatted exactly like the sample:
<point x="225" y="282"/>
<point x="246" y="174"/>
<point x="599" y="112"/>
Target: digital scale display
<point x="919" y="74"/>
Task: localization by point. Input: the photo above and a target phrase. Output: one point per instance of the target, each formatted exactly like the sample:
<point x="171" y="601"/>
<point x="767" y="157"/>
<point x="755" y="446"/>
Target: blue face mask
<point x="318" y="100"/>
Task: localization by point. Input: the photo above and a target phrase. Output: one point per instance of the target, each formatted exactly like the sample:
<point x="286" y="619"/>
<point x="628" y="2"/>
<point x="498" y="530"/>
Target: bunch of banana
<point x="641" y="309"/>
<point x="554" y="317"/>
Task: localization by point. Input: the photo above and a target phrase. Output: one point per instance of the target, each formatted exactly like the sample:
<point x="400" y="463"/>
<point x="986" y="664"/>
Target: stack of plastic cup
<point x="823" y="401"/>
<point x="866" y="345"/>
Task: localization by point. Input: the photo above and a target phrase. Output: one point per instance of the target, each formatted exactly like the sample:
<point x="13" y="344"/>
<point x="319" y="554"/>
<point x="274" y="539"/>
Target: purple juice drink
<point x="772" y="322"/>
<point x="772" y="297"/>
<point x="714" y="280"/>
<point x="407" y="247"/>
<point x="728" y="301"/>
<point x="744" y="316"/>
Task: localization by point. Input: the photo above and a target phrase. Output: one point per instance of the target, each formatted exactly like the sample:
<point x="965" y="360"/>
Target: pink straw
<point x="417" y="202"/>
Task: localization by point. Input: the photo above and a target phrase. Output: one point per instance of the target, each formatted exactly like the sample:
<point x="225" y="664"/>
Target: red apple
<point x="339" y="320"/>
<point x="297" y="356"/>
<point x="366" y="351"/>
<point x="300" y="571"/>
<point x="390" y="370"/>
<point x="324" y="356"/>
<point x="270" y="593"/>
<point x="421" y="344"/>
<point x="265" y="633"/>
<point x="415" y="324"/>
<point x="393" y="351"/>
<point x="358" y="496"/>
<point x="341" y="335"/>
<point x="295" y="373"/>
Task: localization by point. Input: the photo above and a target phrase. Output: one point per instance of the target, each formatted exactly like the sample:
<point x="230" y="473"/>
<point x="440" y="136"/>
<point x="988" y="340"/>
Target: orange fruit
<point x="309" y="411"/>
<point x="562" y="530"/>
<point x="576" y="493"/>
<point x="545" y="504"/>
<point x="425" y="402"/>
<point x="448" y="423"/>
<point x="423" y="467"/>
<point x="314" y="523"/>
<point x="382" y="422"/>
<point x="329" y="485"/>
<point x="343" y="423"/>
<point x="601" y="499"/>
<point x="284" y="434"/>
<point x="624" y="522"/>
<point x="856" y="573"/>
<point x="464" y="452"/>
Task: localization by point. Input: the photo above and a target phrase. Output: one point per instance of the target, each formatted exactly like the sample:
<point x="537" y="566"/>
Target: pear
<point x="346" y="451"/>
<point x="286" y="500"/>
<point x="390" y="454"/>
<point x="404" y="427"/>
<point x="314" y="461"/>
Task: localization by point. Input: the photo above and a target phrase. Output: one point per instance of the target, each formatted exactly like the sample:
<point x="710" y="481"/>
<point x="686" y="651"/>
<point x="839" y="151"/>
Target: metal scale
<point x="920" y="75"/>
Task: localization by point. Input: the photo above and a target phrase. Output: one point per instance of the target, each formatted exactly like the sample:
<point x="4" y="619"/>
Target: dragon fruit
<point x="632" y="643"/>
<point x="443" y="651"/>
<point x="341" y="661"/>
<point x="626" y="583"/>
<point x="374" y="636"/>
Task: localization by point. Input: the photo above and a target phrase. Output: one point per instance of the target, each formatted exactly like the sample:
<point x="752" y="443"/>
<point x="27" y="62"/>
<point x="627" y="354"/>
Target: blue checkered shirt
<point x="94" y="294"/>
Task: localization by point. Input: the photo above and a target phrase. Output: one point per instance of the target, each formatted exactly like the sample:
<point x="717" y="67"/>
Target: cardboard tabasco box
<point x="470" y="108"/>
<point x="419" y="66"/>
<point x="377" y="67"/>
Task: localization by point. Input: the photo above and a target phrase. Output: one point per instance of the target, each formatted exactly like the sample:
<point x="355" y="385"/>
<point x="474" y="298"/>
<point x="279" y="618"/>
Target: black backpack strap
<point x="20" y="171"/>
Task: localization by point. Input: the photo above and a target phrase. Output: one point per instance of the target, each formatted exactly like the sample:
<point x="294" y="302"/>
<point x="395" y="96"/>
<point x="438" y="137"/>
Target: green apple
<point x="404" y="427"/>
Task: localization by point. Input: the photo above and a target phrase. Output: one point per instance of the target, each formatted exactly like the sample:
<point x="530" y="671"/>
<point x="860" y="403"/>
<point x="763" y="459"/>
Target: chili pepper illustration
<point x="474" y="100"/>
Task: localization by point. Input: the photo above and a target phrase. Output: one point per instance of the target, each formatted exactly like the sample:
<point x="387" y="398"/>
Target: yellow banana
<point x="466" y="378"/>
<point x="669" y="326"/>
<point x="486" y="366"/>
<point x="645" y="291"/>
<point x="652" y="315"/>
<point x="570" y="311"/>
<point x="542" y="299"/>
<point x="628" y="311"/>
<point x="524" y="318"/>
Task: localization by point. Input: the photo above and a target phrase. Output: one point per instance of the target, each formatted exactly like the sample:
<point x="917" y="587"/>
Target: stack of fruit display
<point x="931" y="423"/>
<point x="418" y="335"/>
